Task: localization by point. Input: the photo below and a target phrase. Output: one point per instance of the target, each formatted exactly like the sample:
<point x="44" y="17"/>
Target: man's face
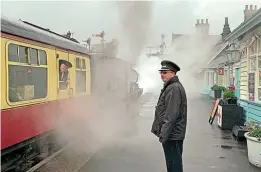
<point x="63" y="68"/>
<point x="166" y="75"/>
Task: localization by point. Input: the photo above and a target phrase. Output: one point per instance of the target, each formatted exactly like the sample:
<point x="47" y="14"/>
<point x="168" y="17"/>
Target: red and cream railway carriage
<point x="34" y="98"/>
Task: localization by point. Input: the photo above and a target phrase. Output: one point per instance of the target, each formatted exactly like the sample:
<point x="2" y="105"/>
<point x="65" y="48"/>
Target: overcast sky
<point x="135" y="25"/>
<point x="85" y="18"/>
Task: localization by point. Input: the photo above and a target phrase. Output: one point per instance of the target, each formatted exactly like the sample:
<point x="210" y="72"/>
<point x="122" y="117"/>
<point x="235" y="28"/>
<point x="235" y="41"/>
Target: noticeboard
<point x="251" y="86"/>
<point x="214" y="111"/>
<point x="219" y="113"/>
<point x="221" y="71"/>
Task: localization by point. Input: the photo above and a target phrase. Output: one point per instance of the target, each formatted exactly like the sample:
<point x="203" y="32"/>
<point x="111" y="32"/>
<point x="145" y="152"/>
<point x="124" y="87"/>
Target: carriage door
<point x="64" y="70"/>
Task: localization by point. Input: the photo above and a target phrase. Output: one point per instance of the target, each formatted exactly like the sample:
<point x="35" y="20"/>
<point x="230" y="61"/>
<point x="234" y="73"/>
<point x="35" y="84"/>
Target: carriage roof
<point x="36" y="33"/>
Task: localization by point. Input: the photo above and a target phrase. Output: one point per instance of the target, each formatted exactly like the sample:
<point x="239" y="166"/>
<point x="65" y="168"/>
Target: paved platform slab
<point x="206" y="148"/>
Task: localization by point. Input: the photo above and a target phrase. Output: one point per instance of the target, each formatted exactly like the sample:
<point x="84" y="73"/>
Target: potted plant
<point x="253" y="137"/>
<point x="229" y="96"/>
<point x="217" y="90"/>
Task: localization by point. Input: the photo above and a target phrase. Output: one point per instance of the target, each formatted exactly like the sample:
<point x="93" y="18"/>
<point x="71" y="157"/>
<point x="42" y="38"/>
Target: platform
<point x="135" y="149"/>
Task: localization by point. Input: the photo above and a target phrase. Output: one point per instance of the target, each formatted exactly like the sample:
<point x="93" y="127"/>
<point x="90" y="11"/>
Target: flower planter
<point x="254" y="150"/>
<point x="217" y="94"/>
<point x="232" y="101"/>
<point x="229" y="115"/>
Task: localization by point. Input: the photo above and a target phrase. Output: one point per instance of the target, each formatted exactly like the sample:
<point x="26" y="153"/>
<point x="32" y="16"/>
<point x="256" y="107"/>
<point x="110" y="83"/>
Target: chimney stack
<point x="249" y="12"/>
<point x="201" y="27"/>
<point x="207" y="27"/>
<point x="226" y="29"/>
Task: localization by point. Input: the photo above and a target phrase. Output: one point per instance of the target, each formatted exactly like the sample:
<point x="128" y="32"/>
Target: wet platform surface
<point x="206" y="147"/>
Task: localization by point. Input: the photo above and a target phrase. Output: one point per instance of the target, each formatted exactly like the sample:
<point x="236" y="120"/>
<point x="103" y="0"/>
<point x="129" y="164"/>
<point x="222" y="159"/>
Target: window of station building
<point x="259" y="46"/>
<point x="80" y="75"/>
<point x="207" y="78"/>
<point x="244" y="52"/>
<point x="27" y="78"/>
<point x="252" y="64"/>
<point x="259" y="78"/>
<point x="215" y="78"/>
<point x="253" y="48"/>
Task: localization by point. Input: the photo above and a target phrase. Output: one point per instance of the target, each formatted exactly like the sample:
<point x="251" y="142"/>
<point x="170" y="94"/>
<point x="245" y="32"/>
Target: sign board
<point x="251" y="86"/>
<point x="221" y="71"/>
<point x="219" y="113"/>
<point x="214" y="110"/>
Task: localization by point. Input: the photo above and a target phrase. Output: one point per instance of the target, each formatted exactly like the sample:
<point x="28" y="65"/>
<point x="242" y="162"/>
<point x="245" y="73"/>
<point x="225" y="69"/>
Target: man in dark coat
<point x="171" y="116"/>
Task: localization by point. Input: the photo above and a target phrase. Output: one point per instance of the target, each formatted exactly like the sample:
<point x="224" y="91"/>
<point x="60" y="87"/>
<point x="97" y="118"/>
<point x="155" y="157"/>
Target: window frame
<point x="253" y="50"/>
<point x="80" y="69"/>
<point x="258" y="84"/>
<point x="58" y="81"/>
<point x="225" y="77"/>
<point x="32" y="101"/>
<point x="256" y="56"/>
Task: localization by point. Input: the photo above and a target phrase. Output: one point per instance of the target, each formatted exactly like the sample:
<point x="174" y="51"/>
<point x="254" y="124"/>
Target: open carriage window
<point x="64" y="74"/>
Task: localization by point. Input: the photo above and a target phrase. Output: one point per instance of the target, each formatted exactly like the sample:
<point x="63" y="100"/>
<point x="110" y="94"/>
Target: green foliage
<point x="254" y="129"/>
<point x="217" y="87"/>
<point x="229" y="94"/>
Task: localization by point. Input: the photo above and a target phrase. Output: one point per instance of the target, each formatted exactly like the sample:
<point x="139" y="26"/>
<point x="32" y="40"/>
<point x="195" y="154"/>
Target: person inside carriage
<point x="64" y="73"/>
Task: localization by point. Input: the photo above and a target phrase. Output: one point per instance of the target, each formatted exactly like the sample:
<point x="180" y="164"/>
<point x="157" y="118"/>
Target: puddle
<point x="226" y="138"/>
<point x="236" y="147"/>
<point x="226" y="147"/>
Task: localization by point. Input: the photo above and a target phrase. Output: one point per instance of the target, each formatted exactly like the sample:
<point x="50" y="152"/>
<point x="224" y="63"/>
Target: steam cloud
<point x="135" y="18"/>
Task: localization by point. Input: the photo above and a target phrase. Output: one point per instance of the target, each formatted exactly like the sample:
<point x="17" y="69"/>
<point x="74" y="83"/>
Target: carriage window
<point x="34" y="56"/>
<point x="43" y="57"/>
<point x="26" y="82"/>
<point x="78" y="64"/>
<point x="63" y="74"/>
<point x="83" y="64"/>
<point x="13" y="53"/>
<point x="23" y="54"/>
<point x="80" y="76"/>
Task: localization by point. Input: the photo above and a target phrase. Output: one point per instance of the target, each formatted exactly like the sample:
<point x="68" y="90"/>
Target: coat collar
<point x="172" y="80"/>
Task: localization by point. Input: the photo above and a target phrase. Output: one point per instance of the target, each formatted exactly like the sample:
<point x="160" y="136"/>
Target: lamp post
<point x="231" y="53"/>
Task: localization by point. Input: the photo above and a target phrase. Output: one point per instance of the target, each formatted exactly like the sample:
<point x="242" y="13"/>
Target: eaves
<point x="246" y="26"/>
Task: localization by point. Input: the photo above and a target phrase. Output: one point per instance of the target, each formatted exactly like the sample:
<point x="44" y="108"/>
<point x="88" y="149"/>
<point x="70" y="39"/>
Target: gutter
<point x="245" y="26"/>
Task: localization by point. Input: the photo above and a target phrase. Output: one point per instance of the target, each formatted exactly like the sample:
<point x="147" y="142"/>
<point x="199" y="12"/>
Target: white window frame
<point x="258" y="84"/>
<point x="255" y="66"/>
<point x="225" y="77"/>
<point x="215" y="78"/>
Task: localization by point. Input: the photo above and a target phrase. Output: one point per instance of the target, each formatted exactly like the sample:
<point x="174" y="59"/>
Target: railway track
<point x="35" y="152"/>
<point x="49" y="158"/>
